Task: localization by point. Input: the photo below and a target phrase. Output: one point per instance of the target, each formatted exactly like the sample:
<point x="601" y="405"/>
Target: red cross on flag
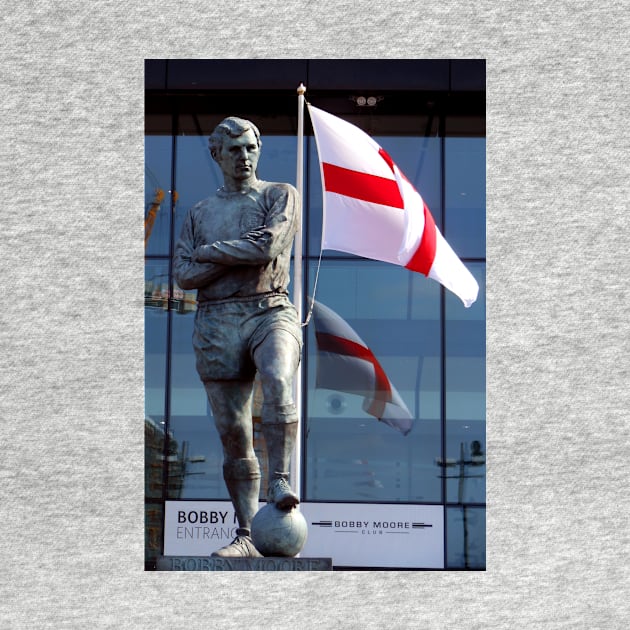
<point x="372" y="210"/>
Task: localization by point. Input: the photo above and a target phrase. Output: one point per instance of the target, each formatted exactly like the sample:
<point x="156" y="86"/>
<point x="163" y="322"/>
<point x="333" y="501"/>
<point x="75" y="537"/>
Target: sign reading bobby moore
<point x="354" y="535"/>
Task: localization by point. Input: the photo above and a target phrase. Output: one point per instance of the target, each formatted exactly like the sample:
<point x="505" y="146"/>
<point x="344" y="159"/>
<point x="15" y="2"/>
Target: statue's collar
<point x="228" y="194"/>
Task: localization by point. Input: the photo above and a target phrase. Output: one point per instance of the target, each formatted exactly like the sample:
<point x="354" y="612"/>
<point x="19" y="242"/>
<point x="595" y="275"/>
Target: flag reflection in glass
<point x="346" y="364"/>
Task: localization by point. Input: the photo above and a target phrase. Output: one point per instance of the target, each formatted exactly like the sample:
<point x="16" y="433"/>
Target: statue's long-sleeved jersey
<point x="237" y="245"/>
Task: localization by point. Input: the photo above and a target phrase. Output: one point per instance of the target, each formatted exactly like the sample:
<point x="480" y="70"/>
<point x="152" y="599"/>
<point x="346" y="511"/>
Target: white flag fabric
<point x="346" y="364"/>
<point x="372" y="210"/>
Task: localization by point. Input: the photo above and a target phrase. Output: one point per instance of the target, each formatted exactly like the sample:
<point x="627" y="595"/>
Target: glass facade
<point x="431" y="348"/>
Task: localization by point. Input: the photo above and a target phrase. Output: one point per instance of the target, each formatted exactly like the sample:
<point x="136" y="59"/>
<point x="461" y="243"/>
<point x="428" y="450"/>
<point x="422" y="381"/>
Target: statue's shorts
<point x="227" y="333"/>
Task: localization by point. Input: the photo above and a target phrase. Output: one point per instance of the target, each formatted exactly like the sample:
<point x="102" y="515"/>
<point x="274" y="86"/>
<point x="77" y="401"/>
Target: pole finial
<point x="301" y="89"/>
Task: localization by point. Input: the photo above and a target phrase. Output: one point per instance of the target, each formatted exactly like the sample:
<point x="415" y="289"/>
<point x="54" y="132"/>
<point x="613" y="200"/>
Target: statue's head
<point x="231" y="127"/>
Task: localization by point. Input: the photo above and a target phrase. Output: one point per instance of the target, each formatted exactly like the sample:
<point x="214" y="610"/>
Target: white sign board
<point x="376" y="535"/>
<point x="352" y="534"/>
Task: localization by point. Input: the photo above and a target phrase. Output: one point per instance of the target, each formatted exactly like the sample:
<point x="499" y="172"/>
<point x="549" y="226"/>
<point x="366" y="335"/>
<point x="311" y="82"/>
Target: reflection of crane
<point x="158" y="296"/>
<point x="154" y="207"/>
<point x="150" y="218"/>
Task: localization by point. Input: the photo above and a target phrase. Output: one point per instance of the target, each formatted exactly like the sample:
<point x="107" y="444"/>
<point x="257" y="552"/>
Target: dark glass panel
<point x="153" y="533"/>
<point x="465" y="538"/>
<point x="465" y="464"/>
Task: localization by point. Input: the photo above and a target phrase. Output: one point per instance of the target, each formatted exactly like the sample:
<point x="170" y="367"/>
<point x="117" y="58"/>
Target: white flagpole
<point x="296" y="473"/>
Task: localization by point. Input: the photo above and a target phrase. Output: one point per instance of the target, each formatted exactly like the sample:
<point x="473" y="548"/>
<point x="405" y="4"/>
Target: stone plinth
<point x="209" y="563"/>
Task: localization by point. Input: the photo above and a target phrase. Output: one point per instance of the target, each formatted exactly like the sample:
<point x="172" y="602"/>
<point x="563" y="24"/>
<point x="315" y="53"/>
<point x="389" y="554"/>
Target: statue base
<point x="210" y="563"/>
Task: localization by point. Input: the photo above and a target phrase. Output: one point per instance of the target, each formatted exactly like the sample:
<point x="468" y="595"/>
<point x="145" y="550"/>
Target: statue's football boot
<point x="280" y="493"/>
<point x="241" y="547"/>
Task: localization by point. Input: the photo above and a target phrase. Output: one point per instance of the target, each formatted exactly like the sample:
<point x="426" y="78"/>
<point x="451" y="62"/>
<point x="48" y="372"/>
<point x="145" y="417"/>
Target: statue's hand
<point x="256" y="234"/>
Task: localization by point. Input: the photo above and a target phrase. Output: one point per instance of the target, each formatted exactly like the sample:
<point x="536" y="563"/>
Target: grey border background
<point x="71" y="469"/>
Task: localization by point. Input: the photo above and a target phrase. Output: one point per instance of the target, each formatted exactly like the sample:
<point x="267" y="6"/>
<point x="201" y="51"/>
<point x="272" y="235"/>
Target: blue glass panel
<point x="465" y="177"/>
<point x="197" y="175"/>
<point x="419" y="160"/>
<point x="199" y="455"/>
<point x="155" y="300"/>
<point x="313" y="217"/>
<point x="155" y="322"/>
<point x="157" y="177"/>
<point x="392" y="315"/>
<point x="465" y="464"/>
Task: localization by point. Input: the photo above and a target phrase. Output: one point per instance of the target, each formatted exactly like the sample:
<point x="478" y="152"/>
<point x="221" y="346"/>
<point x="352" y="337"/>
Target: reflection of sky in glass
<point x="419" y="159"/>
<point x="465" y="163"/>
<point x="156" y="283"/>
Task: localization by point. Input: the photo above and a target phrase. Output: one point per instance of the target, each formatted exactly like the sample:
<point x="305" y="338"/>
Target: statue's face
<point x="238" y="157"/>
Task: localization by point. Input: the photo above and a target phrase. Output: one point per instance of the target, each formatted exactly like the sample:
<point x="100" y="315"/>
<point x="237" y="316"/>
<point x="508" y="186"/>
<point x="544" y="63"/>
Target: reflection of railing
<point x="182" y="306"/>
<point x="157" y="294"/>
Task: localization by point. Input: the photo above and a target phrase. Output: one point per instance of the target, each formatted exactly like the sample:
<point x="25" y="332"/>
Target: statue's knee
<point x="241" y="468"/>
<point x="273" y="413"/>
